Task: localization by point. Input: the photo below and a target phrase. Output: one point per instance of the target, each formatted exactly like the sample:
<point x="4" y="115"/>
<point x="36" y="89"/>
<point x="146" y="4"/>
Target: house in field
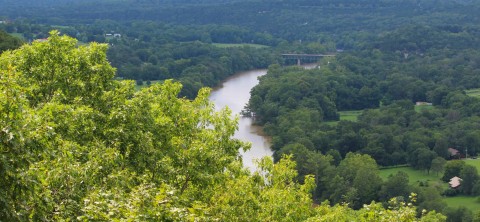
<point x="455" y="182"/>
<point x="454" y="153"/>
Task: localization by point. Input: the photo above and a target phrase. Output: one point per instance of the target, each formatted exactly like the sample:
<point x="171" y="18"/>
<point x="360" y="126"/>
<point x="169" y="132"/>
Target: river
<point x="235" y="93"/>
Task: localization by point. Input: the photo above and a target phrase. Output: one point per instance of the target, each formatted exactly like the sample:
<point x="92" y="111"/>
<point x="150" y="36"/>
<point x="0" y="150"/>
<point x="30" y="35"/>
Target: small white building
<point x="455" y="182"/>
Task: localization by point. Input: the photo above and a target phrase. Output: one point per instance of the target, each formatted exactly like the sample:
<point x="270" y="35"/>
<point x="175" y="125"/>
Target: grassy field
<point x="350" y="115"/>
<point x="473" y="162"/>
<point x="473" y="92"/>
<point x="471" y="203"/>
<point x="420" y="108"/>
<point x="414" y="175"/>
<point x="225" y="45"/>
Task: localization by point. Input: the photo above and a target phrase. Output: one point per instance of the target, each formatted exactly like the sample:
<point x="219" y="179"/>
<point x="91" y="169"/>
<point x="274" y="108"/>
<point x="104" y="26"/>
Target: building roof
<point x="455" y="182"/>
<point x="453" y="152"/>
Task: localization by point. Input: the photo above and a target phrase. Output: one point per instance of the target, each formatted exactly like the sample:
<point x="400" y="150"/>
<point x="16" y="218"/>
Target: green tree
<point x="469" y="175"/>
<point x="423" y="158"/>
<point x="14" y="155"/>
<point x="69" y="74"/>
<point x="430" y="199"/>
<point x="476" y="216"/>
<point x="441" y="147"/>
<point x="395" y="186"/>
<point x="459" y="214"/>
<point x="438" y="165"/>
<point x="337" y="157"/>
<point x="360" y="172"/>
<point x="53" y="85"/>
<point x="452" y="169"/>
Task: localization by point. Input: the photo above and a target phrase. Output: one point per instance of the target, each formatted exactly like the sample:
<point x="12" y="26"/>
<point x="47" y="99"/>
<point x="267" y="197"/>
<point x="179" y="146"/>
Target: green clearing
<point x="471" y="203"/>
<point x="228" y="45"/>
<point x="350" y="115"/>
<point x="420" y="108"/>
<point x="473" y="92"/>
<point x="414" y="175"/>
<point x="473" y="162"/>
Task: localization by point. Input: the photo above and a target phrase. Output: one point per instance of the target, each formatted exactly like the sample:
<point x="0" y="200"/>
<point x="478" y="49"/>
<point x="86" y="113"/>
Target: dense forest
<point x="81" y="142"/>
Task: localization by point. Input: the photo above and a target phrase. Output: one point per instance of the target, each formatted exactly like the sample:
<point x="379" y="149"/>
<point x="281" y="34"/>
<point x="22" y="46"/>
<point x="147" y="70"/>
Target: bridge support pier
<point x="299" y="62"/>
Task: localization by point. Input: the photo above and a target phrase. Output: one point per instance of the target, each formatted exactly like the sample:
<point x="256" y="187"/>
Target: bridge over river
<point x="305" y="57"/>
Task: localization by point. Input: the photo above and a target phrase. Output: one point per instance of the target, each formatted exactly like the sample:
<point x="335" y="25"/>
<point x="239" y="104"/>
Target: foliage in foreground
<point x="76" y="145"/>
<point x="8" y="42"/>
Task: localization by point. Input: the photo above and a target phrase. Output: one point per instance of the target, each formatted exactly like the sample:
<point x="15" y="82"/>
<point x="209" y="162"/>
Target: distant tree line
<point x="348" y="22"/>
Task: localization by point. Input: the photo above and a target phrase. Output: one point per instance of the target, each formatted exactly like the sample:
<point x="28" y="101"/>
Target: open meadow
<point x="473" y="92"/>
<point x="415" y="176"/>
<point x="471" y="203"/>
